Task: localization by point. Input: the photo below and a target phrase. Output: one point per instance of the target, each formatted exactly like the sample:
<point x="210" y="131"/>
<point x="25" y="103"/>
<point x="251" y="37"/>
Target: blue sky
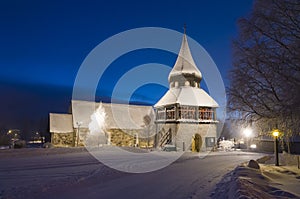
<point x="43" y="43"/>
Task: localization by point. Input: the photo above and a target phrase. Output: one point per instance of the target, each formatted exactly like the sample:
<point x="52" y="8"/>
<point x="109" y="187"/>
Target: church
<point x="185" y="117"/>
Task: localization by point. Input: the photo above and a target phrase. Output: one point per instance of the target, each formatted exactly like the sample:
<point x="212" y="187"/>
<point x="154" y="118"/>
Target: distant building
<point x="186" y="113"/>
<point x="184" y="116"/>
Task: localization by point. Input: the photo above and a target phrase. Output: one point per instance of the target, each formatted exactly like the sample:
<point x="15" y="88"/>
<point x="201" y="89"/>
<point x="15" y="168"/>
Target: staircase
<point x="165" y="139"/>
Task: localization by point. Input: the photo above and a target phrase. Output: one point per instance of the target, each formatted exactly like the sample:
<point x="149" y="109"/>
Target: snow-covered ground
<point x="75" y="173"/>
<point x="25" y="170"/>
<point x="267" y="182"/>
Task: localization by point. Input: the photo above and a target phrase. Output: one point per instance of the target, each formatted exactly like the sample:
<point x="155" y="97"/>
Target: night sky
<point x="43" y="43"/>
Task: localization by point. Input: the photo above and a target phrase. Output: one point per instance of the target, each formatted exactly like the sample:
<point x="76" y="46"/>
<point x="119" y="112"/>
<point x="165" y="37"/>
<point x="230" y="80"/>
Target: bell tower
<point x="186" y="111"/>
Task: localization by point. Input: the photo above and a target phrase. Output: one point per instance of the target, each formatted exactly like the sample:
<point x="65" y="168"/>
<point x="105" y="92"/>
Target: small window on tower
<point x="170" y="113"/>
<point x="187" y="112"/>
<point x="161" y="114"/>
<point x="206" y="113"/>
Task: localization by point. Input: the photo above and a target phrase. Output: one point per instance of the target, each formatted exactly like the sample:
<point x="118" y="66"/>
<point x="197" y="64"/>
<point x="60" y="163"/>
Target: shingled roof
<point x="185" y="94"/>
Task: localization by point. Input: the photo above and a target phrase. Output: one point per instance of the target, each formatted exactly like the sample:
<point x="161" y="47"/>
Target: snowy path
<point x="77" y="175"/>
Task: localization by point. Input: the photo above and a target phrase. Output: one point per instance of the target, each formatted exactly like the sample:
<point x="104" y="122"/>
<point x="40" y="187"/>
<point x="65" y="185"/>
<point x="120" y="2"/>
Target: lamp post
<point x="276" y="134"/>
<point x="78" y="125"/>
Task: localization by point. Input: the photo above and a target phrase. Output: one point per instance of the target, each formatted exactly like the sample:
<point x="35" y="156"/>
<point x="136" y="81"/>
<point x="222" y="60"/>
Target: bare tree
<point x="265" y="79"/>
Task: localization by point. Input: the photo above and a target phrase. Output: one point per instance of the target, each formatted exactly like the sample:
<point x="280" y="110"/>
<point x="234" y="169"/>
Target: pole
<point x="276" y="151"/>
<point x="74" y="139"/>
<point x="77" y="135"/>
<point x="247" y="143"/>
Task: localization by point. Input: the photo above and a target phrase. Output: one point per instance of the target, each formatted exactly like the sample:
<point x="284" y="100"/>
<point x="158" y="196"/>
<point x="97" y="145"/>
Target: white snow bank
<point x="285" y="178"/>
<point x="268" y="182"/>
<point x="284" y="159"/>
<point x="226" y="145"/>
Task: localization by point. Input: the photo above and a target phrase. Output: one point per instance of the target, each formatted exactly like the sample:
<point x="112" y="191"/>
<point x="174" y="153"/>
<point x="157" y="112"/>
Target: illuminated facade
<point x="186" y="114"/>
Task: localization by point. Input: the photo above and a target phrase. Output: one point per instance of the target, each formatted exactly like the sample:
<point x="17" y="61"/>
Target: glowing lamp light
<point x="247" y="132"/>
<point x="275" y="133"/>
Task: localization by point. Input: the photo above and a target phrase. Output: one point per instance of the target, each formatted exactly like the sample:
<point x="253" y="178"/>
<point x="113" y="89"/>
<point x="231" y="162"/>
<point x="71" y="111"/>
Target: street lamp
<point x="247" y="133"/>
<point x="275" y="133"/>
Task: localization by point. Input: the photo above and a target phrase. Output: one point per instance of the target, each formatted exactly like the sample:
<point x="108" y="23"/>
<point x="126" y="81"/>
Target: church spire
<point x="185" y="71"/>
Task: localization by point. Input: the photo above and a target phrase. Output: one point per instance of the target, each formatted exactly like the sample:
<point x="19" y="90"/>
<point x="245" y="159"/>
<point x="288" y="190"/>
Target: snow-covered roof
<point x="118" y="116"/>
<point x="60" y="123"/>
<point x="191" y="96"/>
<point x="185" y="63"/>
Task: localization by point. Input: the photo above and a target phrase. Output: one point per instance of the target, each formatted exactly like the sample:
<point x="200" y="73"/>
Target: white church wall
<point x="182" y="133"/>
<point x="186" y="131"/>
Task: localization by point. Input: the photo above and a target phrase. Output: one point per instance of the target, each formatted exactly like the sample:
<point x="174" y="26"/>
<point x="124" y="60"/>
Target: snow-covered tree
<point x="97" y="126"/>
<point x="265" y="79"/>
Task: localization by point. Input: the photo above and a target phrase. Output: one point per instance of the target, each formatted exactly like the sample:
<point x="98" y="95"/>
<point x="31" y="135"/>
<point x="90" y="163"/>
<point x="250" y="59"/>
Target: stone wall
<point x="143" y="142"/>
<point x="62" y="139"/>
<point x="69" y="139"/>
<point x="121" y="138"/>
<point x="118" y="137"/>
